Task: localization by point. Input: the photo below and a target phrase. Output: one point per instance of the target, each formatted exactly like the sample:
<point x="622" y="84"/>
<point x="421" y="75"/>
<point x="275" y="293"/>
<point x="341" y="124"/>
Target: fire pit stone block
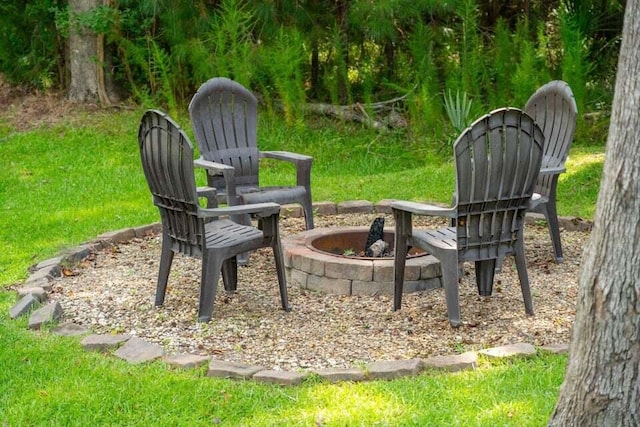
<point x="329" y="285"/>
<point x="350" y="268"/>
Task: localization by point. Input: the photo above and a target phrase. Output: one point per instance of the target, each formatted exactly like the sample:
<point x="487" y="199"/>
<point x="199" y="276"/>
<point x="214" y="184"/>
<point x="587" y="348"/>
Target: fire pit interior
<point x="352" y="243"/>
<point x="332" y="260"/>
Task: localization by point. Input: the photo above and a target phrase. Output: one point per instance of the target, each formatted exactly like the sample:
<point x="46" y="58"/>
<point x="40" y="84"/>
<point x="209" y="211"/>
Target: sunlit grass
<point x="347" y="404"/>
<point x="578" y="187"/>
<point x="50" y="380"/>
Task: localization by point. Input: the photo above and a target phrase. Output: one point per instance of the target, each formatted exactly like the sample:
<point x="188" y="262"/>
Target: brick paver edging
<point x="32" y="300"/>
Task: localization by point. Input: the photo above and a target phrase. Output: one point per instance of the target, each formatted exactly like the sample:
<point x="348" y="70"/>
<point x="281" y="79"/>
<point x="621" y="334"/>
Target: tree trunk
<point x="342" y="9"/>
<point x="602" y="381"/>
<point x="315" y="69"/>
<point x="86" y="56"/>
<point x="390" y="58"/>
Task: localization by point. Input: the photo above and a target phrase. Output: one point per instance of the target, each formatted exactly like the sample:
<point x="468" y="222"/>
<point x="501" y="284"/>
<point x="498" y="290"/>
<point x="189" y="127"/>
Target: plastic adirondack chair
<point x="497" y="162"/>
<point x="224" y="118"/>
<point x="187" y="228"/>
<point x="553" y="107"/>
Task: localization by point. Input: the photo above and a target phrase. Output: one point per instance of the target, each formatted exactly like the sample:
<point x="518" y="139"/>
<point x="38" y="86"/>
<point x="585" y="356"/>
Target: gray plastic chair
<point x="553" y="107"/>
<point x="224" y="118"/>
<point x="497" y="162"/>
<point x="167" y="161"/>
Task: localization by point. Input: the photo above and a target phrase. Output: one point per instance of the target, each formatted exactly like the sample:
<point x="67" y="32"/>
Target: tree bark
<point x="342" y="10"/>
<point x="602" y="381"/>
<point x="86" y="56"/>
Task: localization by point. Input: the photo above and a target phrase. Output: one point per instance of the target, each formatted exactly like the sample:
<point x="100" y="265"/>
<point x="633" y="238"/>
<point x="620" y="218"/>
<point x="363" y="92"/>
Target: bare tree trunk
<point x="342" y="9"/>
<point x="86" y="56"/>
<point x="315" y="69"/>
<point x="602" y="382"/>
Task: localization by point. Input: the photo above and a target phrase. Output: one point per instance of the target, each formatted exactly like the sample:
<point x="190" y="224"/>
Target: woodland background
<point x="426" y="66"/>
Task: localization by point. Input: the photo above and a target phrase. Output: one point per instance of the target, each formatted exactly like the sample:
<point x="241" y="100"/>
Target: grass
<point x="578" y="187"/>
<point x="65" y="184"/>
<point x="48" y="380"/>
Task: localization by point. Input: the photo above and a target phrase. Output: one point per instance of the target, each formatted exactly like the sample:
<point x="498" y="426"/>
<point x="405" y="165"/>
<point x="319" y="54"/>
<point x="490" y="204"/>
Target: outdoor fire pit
<point x="328" y="260"/>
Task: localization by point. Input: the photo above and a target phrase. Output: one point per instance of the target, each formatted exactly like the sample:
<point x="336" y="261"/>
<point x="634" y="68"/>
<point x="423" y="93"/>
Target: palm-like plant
<point x="458" y="110"/>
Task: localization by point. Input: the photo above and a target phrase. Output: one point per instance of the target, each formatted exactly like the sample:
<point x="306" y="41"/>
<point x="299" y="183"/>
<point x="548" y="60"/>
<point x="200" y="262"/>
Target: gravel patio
<point x="113" y="291"/>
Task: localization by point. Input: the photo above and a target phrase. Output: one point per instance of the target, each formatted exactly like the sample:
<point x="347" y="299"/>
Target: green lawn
<point x="49" y="380"/>
<point x="64" y="184"/>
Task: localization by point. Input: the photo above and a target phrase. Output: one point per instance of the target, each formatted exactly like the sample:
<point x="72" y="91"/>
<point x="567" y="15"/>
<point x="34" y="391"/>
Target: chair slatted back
<point x="167" y="161"/>
<point x="224" y="115"/>
<point x="497" y="162"/>
<point x="553" y="107"/>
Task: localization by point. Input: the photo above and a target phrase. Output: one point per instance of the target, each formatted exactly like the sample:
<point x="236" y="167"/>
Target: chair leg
<point x="230" y="274"/>
<point x="166" y="259"/>
<point x="403" y="228"/>
<point x="282" y="280"/>
<point x="499" y="263"/>
<point x="450" y="283"/>
<point x="243" y="258"/>
<point x="554" y="229"/>
<point x="307" y="207"/>
<point x="399" y="262"/>
<point x="211" y="266"/>
<point x="523" y="276"/>
<point x="485" y="272"/>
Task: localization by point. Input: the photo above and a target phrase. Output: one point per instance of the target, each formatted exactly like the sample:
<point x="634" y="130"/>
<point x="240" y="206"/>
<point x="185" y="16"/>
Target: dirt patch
<point x="23" y="109"/>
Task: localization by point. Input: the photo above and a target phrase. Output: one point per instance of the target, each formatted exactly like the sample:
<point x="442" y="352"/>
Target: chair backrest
<point x="497" y="162"/>
<point x="167" y="161"/>
<point x="224" y="116"/>
<point x="554" y="108"/>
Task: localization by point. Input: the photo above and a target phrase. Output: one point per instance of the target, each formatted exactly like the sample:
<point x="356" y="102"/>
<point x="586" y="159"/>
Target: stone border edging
<point x="32" y="299"/>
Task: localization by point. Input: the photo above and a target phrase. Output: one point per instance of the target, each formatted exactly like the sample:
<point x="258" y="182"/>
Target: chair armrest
<point x="208" y="192"/>
<point x="423" y="209"/>
<point x="212" y="167"/>
<point x="228" y="173"/>
<point x="260" y="209"/>
<point x="301" y="162"/>
<point x="557" y="170"/>
<point x="287" y="156"/>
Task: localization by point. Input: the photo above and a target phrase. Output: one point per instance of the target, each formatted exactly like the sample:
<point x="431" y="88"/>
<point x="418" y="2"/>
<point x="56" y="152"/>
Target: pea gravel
<point x="113" y="291"/>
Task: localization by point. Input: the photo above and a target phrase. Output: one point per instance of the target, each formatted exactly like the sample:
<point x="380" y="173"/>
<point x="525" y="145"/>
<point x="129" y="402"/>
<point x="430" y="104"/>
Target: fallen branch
<point x="350" y="113"/>
<point x="358" y="112"/>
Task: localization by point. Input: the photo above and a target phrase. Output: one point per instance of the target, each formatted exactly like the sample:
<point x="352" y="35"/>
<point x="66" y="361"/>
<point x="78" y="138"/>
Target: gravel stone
<point x="69" y="329"/>
<point x="509" y="350"/>
<point x="36" y="291"/>
<point x="453" y="363"/>
<point x="340" y="374"/>
<point x="390" y="369"/>
<point x="24" y="305"/>
<point x="187" y="361"/>
<point x="279" y="377"/>
<point x="225" y="369"/>
<point x="103" y="342"/>
<point x="137" y="350"/>
<point x="45" y="314"/>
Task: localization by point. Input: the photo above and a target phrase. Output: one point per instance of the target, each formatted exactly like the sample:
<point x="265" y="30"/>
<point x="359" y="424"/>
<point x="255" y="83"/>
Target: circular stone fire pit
<point x="315" y="260"/>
